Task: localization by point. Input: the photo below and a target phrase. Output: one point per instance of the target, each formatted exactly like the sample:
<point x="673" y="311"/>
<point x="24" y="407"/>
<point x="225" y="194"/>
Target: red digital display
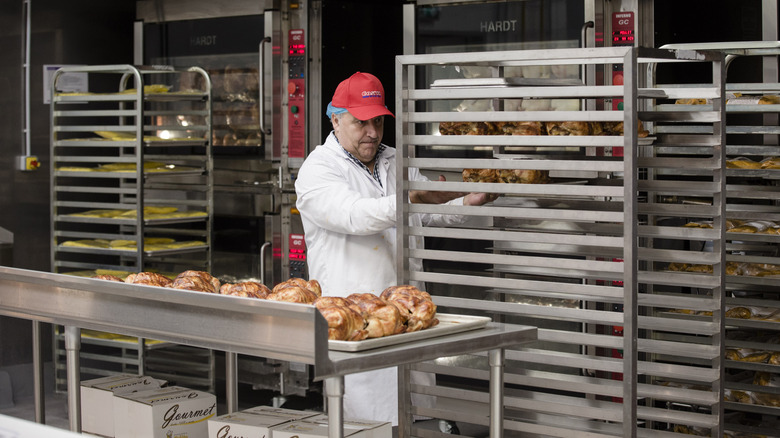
<point x="297" y="254"/>
<point x="623" y="36"/>
<point x="297" y="49"/>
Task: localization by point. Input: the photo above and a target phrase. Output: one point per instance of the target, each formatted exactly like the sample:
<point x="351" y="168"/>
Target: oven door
<point x="435" y="27"/>
<point x="245" y="73"/>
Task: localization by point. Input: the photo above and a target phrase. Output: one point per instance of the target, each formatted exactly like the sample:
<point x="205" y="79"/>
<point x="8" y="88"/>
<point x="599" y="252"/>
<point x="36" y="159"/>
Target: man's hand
<point x="479" y="198"/>
<point x="433" y="197"/>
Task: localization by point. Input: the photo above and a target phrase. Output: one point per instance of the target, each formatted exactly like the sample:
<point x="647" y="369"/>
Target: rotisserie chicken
<point x="293" y="294"/>
<point x="199" y="281"/>
<point x="108" y="277"/>
<point x="149" y="279"/>
<point x="382" y="317"/>
<point x="250" y="289"/>
<point x="416" y="304"/>
<point x="344" y="323"/>
<point x="312" y="285"/>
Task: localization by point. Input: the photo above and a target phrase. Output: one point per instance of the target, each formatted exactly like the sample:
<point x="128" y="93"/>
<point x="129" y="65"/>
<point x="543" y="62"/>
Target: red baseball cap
<point x="362" y="95"/>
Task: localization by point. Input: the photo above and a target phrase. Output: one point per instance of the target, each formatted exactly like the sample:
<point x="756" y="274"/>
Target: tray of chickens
<point x="358" y="322"/>
<point x="447" y="324"/>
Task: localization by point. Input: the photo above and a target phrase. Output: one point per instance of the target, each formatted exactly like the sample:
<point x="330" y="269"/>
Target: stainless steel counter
<point x="277" y="330"/>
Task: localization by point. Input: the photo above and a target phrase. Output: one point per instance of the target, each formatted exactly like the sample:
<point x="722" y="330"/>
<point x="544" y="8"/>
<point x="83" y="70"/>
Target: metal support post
<point x="72" y="348"/>
<point x="231" y="381"/>
<point x="496" y="361"/>
<point x="334" y="389"/>
<point x="40" y="405"/>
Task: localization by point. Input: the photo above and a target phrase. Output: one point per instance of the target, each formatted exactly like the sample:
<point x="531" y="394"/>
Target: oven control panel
<point x="296" y="98"/>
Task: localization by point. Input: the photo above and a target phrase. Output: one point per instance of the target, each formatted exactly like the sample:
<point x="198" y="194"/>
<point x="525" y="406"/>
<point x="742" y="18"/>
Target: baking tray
<point x="448" y="324"/>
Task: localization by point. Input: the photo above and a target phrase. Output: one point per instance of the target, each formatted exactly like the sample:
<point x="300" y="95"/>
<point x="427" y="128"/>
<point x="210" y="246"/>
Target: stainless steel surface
<point x="72" y="347"/>
<point x="448" y="324"/>
<point x="129" y="108"/>
<point x="231" y="381"/>
<point x="752" y="195"/>
<point x="261" y="87"/>
<point x="496" y="361"/>
<point x="536" y="233"/>
<point x="334" y="391"/>
<point x="166" y="10"/>
<point x="284" y="331"/>
<point x="38" y="376"/>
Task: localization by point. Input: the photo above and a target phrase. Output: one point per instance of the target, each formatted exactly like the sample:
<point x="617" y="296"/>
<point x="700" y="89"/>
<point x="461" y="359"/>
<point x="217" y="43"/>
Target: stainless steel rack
<point x="585" y="255"/>
<point x="278" y="330"/>
<point x="134" y="141"/>
<point x="753" y="403"/>
<point x="131" y="161"/>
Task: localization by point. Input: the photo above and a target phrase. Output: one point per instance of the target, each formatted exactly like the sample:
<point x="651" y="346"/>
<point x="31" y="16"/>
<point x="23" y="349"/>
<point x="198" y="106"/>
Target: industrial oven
<point x="273" y="66"/>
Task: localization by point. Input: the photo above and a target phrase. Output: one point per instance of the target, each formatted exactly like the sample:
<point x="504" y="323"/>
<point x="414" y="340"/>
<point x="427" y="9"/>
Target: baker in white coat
<point x="346" y="197"/>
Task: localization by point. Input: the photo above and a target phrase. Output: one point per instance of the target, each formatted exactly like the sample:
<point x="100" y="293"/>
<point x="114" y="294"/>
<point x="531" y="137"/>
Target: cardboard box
<point x="97" y="399"/>
<point x="317" y="427"/>
<point x="172" y="412"/>
<point x="256" y="422"/>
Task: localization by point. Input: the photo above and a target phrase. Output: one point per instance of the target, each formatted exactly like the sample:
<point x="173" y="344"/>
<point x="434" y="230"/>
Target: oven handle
<point x="261" y="88"/>
<point x="262" y="261"/>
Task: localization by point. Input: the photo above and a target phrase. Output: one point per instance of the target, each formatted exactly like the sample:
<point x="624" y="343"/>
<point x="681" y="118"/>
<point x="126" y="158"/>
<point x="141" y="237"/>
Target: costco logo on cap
<point x="372" y="94"/>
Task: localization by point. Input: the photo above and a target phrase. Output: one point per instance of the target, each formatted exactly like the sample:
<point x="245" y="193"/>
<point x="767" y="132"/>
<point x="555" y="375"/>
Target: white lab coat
<point x="349" y="223"/>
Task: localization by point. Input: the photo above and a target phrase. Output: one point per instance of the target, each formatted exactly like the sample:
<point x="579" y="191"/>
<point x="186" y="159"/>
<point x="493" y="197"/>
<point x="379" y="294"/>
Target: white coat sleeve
<point x="326" y="199"/>
<point x="441" y="220"/>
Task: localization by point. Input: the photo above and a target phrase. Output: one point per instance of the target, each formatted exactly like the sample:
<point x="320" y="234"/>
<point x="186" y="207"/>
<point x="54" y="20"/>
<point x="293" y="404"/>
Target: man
<point x="346" y="196"/>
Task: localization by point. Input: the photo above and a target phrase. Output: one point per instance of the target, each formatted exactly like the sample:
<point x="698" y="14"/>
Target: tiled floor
<point x="55" y="410"/>
<point x="56" y="404"/>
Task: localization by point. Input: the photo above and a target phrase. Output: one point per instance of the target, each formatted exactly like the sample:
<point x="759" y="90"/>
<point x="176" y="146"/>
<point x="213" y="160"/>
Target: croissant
<point x="149" y="279"/>
<point x="250" y="289"/>
<point x="293" y="294"/>
<point x="382" y="318"/>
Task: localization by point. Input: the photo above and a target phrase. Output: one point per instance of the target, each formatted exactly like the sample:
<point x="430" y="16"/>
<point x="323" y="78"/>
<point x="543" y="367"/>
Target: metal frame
<point x="284" y="331"/>
<point x="612" y="224"/>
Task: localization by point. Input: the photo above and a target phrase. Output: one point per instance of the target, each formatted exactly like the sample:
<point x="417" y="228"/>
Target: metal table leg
<point x="334" y="388"/>
<point x="496" y="360"/>
<point x="40" y="404"/>
<point x="231" y="381"/>
<point x="405" y="419"/>
<point x="72" y="347"/>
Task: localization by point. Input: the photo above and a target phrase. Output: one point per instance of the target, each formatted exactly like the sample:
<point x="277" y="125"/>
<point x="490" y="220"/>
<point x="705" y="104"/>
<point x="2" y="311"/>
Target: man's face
<point x="360" y="138"/>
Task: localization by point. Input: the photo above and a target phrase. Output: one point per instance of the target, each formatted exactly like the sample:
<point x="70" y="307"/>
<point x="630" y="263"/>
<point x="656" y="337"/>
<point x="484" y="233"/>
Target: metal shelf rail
<point x="581" y="253"/>
<point x="751" y="339"/>
<point x="105" y="144"/>
<point x="284" y="331"/>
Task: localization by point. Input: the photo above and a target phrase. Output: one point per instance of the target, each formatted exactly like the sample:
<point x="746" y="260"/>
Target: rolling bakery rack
<point x="284" y="331"/>
<point x="752" y="334"/>
<point x="132" y="190"/>
<point x="583" y="252"/>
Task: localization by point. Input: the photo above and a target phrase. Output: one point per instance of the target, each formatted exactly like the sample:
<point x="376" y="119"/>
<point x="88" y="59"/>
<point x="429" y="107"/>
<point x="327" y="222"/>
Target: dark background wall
<point x="63" y="32"/>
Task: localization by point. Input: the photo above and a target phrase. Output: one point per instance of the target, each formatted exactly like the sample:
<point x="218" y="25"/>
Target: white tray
<point x="448" y="324"/>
